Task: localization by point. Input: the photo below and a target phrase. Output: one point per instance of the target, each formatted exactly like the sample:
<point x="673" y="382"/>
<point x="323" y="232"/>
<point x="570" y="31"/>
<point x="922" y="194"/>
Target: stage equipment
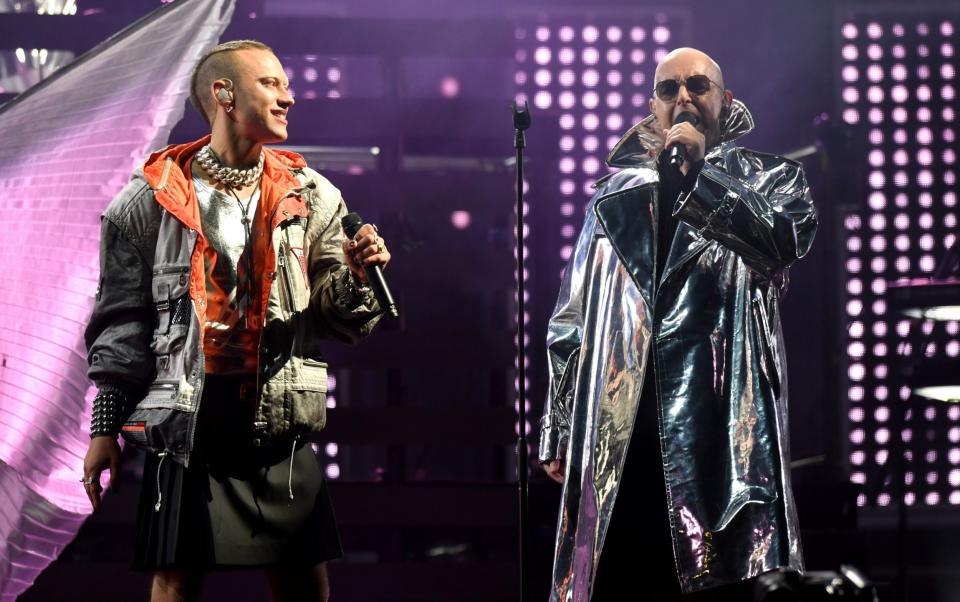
<point x="938" y="299"/>
<point x="521" y="122"/>
<point x="896" y="90"/>
<point x="814" y="586"/>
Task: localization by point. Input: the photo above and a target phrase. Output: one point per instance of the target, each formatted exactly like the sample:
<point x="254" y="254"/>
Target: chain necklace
<point x="247" y="281"/>
<point x="228" y="176"/>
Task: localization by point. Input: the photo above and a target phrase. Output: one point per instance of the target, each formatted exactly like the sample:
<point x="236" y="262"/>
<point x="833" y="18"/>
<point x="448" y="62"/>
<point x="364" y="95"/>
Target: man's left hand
<point x="691" y="138"/>
<point x="366" y="248"/>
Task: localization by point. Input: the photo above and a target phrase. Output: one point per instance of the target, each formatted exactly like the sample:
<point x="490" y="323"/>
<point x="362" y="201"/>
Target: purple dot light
<point x="590" y="100"/>
<point x="450" y="87"/>
<point x="590" y="34"/>
<point x="590" y="78"/>
<point x="661" y="35"/>
<point x="590" y="56"/>
<point x="460" y="219"/>
<point x="543" y="99"/>
<point x="542" y="55"/>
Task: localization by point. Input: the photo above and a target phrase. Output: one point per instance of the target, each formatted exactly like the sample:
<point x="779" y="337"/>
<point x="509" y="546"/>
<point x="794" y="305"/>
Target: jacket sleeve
<point x="766" y="217"/>
<point x="120" y="328"/>
<point x="339" y="306"/>
<point x="564" y="336"/>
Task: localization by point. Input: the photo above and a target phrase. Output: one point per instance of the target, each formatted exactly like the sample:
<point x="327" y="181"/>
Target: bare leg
<point x="300" y="583"/>
<point x="176" y="586"/>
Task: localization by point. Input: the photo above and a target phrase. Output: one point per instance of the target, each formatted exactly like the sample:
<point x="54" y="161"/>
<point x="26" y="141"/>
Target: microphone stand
<point x="521" y="121"/>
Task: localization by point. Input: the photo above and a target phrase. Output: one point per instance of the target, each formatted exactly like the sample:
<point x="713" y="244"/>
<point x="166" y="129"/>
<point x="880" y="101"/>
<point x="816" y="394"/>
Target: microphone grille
<point x="351" y="223"/>
<point x="688" y="117"/>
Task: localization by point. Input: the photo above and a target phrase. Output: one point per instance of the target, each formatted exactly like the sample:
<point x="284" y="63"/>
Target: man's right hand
<point x="555" y="469"/>
<point x="103" y="452"/>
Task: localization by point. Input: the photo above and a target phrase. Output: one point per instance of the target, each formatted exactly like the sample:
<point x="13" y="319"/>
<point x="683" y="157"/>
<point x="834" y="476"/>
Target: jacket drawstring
<point x="293" y="449"/>
<point x="156" y="507"/>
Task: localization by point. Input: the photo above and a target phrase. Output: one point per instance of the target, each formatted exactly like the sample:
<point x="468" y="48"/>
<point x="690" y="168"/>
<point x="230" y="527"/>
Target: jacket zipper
<point x="285" y="285"/>
<point x="198" y="393"/>
<point x="258" y="418"/>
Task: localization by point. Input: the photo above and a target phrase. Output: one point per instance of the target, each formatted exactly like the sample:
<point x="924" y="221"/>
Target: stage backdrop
<point x="68" y="145"/>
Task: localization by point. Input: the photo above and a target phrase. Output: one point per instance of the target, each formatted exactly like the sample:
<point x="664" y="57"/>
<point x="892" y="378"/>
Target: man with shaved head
<point x="666" y="420"/>
<point x="224" y="273"/>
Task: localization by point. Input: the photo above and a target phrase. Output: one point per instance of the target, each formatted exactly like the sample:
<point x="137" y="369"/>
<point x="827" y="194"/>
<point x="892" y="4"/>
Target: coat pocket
<point x="313" y="376"/>
<point x="306" y="396"/>
<point x="171" y="300"/>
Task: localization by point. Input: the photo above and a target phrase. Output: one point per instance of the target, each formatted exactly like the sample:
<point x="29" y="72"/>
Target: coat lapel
<point x="686" y="243"/>
<point x="627" y="216"/>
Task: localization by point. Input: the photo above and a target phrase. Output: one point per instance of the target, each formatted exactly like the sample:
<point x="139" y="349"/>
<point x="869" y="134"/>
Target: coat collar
<point x="166" y="172"/>
<point x="641" y="144"/>
<point x="634" y="239"/>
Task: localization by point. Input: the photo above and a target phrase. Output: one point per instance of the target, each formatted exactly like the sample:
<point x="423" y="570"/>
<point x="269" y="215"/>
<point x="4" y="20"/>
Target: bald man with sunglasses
<point x="666" y="342"/>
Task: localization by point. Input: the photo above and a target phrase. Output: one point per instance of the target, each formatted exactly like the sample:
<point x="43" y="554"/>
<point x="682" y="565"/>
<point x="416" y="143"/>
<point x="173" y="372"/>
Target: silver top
<point x="229" y="340"/>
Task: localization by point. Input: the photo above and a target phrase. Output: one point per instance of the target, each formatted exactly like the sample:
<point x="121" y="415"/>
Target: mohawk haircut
<point x="216" y="64"/>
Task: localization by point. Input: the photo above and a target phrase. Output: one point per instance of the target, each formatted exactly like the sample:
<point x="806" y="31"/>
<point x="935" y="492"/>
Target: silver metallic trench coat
<point x="712" y="325"/>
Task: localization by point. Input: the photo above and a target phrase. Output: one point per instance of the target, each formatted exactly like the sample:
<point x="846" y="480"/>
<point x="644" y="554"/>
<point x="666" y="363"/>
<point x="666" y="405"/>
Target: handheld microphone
<point x="351" y="224"/>
<point x="678" y="152"/>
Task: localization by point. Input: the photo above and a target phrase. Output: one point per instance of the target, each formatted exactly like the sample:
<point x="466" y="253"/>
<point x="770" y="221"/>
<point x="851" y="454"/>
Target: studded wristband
<point x="109" y="411"/>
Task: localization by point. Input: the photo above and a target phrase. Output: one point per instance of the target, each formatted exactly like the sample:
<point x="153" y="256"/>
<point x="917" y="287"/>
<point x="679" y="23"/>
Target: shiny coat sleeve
<point x="339" y="309"/>
<point x="564" y="335"/>
<point x="757" y="205"/>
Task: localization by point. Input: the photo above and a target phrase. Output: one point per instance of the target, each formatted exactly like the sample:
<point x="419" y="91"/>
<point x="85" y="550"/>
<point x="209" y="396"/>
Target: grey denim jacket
<point x="145" y="333"/>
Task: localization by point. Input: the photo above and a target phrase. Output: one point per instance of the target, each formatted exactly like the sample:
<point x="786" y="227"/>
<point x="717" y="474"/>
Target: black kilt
<point x="232" y="507"/>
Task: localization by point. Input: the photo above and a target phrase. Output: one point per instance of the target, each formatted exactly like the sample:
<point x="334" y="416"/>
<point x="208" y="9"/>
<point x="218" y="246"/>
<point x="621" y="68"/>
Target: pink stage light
<point x="460" y="219"/>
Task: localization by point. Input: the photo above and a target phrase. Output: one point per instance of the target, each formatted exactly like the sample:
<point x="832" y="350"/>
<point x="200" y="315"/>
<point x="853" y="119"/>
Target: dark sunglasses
<point x="698" y="85"/>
